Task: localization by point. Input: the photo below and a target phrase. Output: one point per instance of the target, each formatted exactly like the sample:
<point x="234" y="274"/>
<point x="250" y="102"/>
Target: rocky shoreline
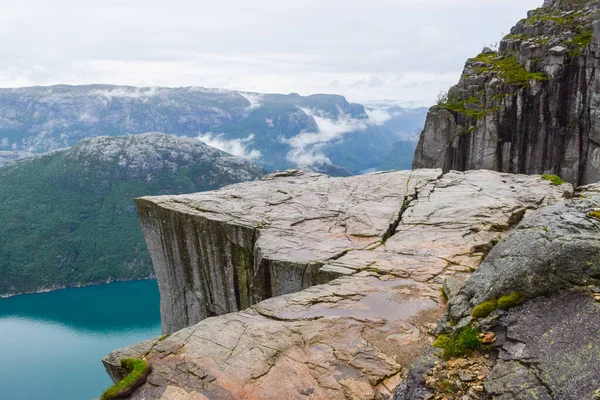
<point x="56" y="288"/>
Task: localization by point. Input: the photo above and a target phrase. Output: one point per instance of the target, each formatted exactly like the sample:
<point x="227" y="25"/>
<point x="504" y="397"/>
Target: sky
<point x="401" y="50"/>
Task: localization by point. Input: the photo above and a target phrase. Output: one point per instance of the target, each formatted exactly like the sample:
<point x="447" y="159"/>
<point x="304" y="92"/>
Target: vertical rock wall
<point x="532" y="107"/>
<point x="206" y="266"/>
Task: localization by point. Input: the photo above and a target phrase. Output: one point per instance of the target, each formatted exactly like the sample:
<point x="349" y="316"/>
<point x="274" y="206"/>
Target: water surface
<point x="51" y="343"/>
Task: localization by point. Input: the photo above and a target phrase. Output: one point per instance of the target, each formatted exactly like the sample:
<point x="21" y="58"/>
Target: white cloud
<point x="237" y="147"/>
<point x="134" y="93"/>
<point x="378" y="115"/>
<point x="307" y="146"/>
<point x="253" y="98"/>
<point x="404" y="50"/>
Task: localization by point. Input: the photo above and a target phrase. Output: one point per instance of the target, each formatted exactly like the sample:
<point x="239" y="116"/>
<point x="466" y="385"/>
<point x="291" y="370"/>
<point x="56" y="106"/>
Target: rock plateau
<point x="306" y="286"/>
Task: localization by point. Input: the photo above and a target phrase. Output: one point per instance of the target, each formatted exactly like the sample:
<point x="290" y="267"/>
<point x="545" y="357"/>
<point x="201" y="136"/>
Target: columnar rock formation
<point x="377" y="247"/>
<point x="531" y="107"/>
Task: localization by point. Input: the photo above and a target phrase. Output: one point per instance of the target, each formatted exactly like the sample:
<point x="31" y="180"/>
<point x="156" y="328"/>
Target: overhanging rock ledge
<point x="306" y="286"/>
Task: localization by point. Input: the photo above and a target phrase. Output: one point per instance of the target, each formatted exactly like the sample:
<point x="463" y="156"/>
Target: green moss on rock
<point x="138" y="370"/>
<point x="595" y="214"/>
<point x="484" y="309"/>
<point x="511" y="300"/>
<point x="554" y="179"/>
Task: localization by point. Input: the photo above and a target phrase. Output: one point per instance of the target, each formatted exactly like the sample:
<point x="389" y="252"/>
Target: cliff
<point x="302" y="285"/>
<point x="532" y="107"/>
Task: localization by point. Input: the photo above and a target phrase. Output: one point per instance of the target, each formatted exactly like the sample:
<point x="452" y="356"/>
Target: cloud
<point x="255" y="100"/>
<point x="233" y="45"/>
<point x="378" y="115"/>
<point x="237" y="147"/>
<point x="133" y="93"/>
<point x="306" y="147"/>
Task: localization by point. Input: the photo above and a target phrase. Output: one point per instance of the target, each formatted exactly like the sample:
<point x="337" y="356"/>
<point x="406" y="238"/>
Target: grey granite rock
<point x="535" y="111"/>
<point x="548" y="347"/>
<point x="550" y="351"/>
<point x="555" y="248"/>
<point x="248" y="257"/>
<point x="452" y="286"/>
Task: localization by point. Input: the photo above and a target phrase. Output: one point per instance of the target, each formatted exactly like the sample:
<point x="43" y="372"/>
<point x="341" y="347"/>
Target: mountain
<point x="277" y="131"/>
<point x="400" y="157"/>
<point x="68" y="217"/>
<point x="406" y="121"/>
<point x="9" y="157"/>
<point x="403" y="118"/>
<point x="530" y="107"/>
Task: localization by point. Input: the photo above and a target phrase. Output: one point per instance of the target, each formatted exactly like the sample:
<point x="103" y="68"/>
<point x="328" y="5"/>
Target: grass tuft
<point x="458" y="344"/>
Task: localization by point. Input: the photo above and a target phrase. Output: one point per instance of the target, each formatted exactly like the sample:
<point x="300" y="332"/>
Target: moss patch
<point x="459" y="343"/>
<point x="163" y="337"/>
<point x="138" y="370"/>
<point x="511" y="300"/>
<point x="484" y="309"/>
<point x="554" y="179"/>
<point x="595" y="214"/>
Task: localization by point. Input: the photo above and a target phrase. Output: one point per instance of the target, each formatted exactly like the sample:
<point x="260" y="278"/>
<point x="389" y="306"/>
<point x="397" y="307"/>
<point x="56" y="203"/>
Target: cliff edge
<point x="306" y="286"/>
<point x="531" y="107"/>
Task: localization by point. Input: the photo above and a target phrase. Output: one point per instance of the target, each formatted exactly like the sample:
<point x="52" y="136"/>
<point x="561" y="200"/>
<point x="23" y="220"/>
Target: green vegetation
<point x="161" y="338"/>
<point x="575" y="22"/>
<point x="484" y="309"/>
<point x="470" y="107"/>
<point x="458" y="344"/>
<point x="581" y="41"/>
<point x="554" y="179"/>
<point x="444" y="294"/>
<point x="508" y="69"/>
<point x="544" y="15"/>
<point x="595" y="214"/>
<point x="511" y="300"/>
<point x="138" y="370"/>
<point x="69" y="221"/>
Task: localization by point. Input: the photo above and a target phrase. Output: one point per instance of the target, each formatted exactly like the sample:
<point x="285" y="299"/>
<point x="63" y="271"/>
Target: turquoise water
<point x="51" y="343"/>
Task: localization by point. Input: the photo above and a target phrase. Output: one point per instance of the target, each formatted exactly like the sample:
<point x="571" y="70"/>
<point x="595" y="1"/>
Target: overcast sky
<point x="368" y="49"/>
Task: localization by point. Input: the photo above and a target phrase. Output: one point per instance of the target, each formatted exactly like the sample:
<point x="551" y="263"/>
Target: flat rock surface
<point x="390" y="239"/>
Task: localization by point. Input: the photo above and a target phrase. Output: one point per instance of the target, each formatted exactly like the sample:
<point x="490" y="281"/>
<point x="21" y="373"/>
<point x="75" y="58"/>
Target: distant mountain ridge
<point x="68" y="217"/>
<point x="277" y="131"/>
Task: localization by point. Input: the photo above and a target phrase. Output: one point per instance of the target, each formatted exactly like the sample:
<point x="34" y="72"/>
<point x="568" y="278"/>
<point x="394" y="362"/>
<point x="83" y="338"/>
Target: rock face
<point x="532" y="107"/>
<point x="549" y="347"/>
<point x="337" y="280"/>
